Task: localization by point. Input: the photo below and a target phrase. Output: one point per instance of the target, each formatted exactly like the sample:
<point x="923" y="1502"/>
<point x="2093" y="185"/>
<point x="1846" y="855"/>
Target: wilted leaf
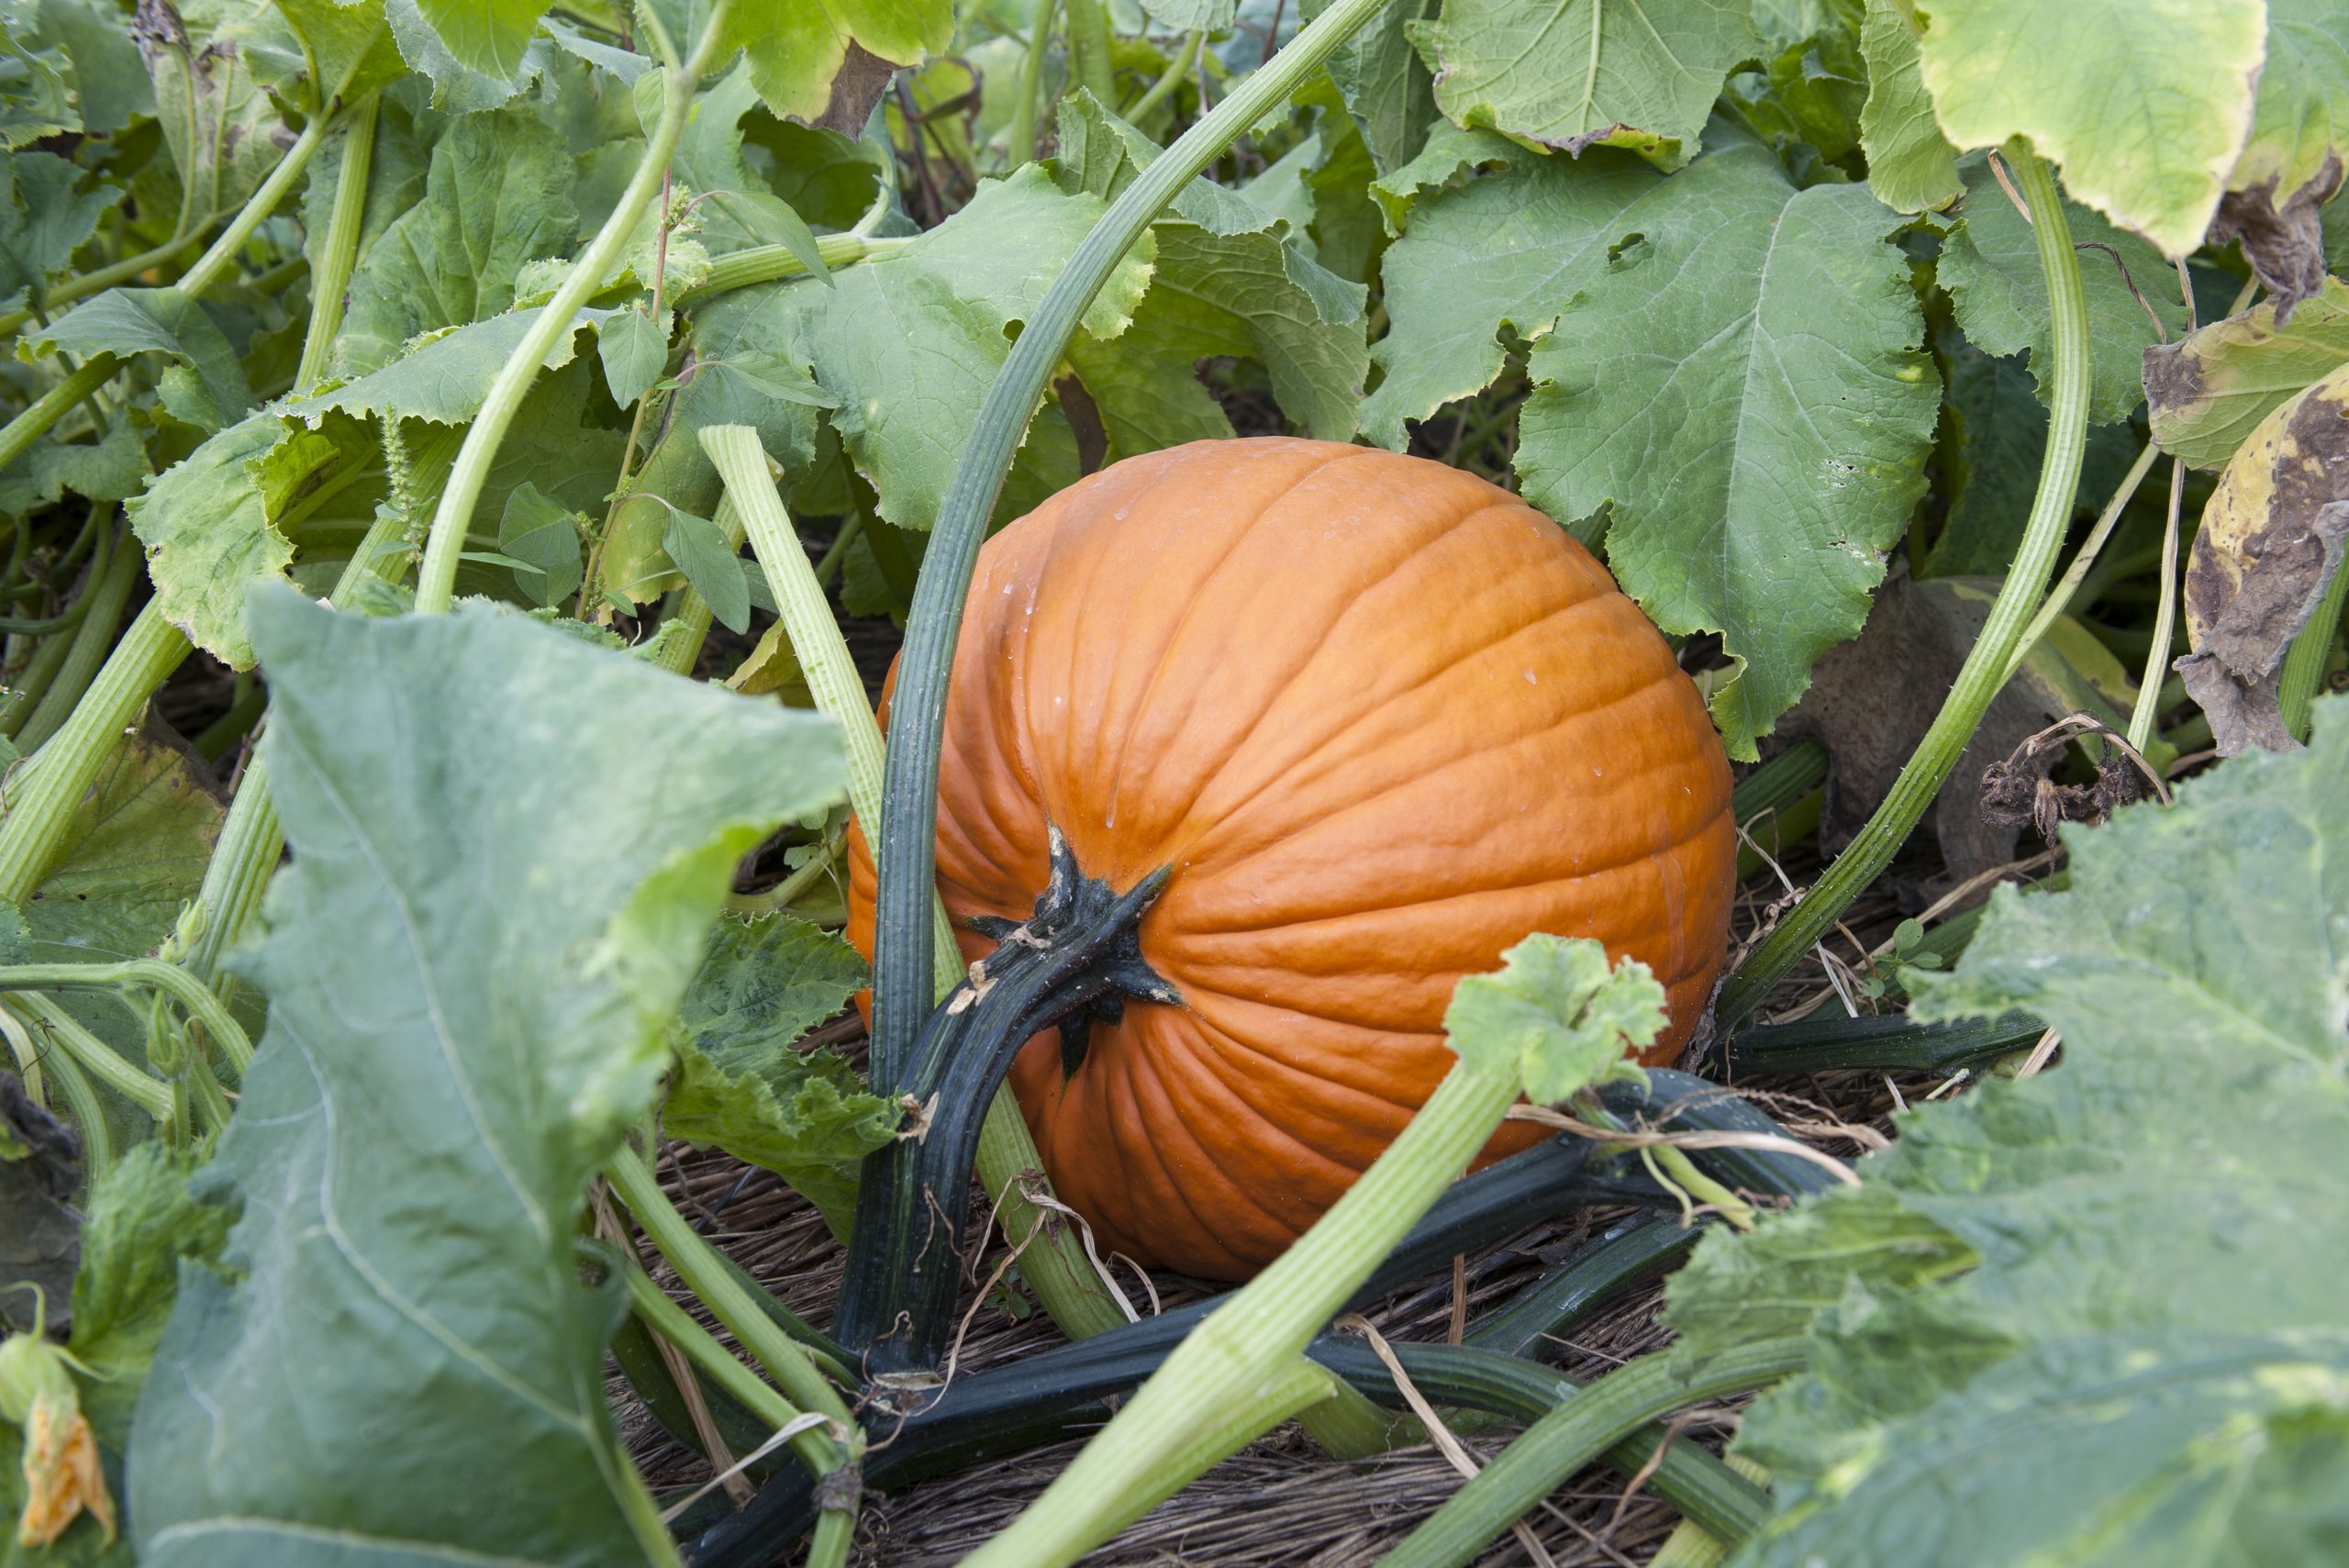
<point x="1742" y="385"/>
<point x="2209" y="392"/>
<point x="2058" y="1322"/>
<point x="498" y="195"/>
<point x="1556" y="1016"/>
<point x="741" y="1085"/>
<point x="2292" y="165"/>
<point x="459" y="1001"/>
<point x="1636" y="74"/>
<point x="2271" y="540"/>
<point x="2142" y="106"/>
<point x="223" y="132"/>
<point x="1989" y="264"/>
<point x="1911" y="166"/>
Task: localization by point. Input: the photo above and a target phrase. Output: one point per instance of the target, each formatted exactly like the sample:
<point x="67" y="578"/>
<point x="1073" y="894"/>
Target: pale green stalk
<point x="2304" y="663"/>
<point x="2059" y="599"/>
<point x="1985" y="670"/>
<point x="47" y="409"/>
<point x="772" y="263"/>
<point x="1089" y="47"/>
<point x="1192" y="1410"/>
<point x="436" y="580"/>
<point x="42" y="796"/>
<point x="784" y="1358"/>
<point x="339" y="253"/>
<point x="2148" y="707"/>
<point x="1020" y="144"/>
<point x="1164" y="88"/>
<point x="1577" y="1432"/>
<point x="145" y="974"/>
<point x="1054" y="1262"/>
<point x="149" y="1093"/>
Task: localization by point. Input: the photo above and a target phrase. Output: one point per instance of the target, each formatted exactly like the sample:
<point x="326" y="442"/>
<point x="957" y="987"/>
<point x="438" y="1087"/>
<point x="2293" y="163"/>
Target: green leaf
<point x="2208" y="393"/>
<point x="456" y="87"/>
<point x="635" y="351"/>
<point x="543" y="534"/>
<point x="1386" y="86"/>
<point x="710" y="563"/>
<point x="1191" y="16"/>
<point x="1555" y="1017"/>
<point x="37" y="103"/>
<point x="1806" y="98"/>
<point x="487" y="35"/>
<point x="446" y="377"/>
<point x="739" y="1084"/>
<point x="1990" y="266"/>
<point x="465" y="1017"/>
<point x="2143" y="108"/>
<point x="1505" y="253"/>
<point x="498" y="195"/>
<point x="1636" y="74"/>
<point x="43" y="220"/>
<point x="142" y="1224"/>
<point x="349" y="44"/>
<point x="112" y="469"/>
<point x="2145" y="1362"/>
<point x="208" y="528"/>
<point x="1227" y="279"/>
<point x="1911" y="166"/>
<point x="110" y="84"/>
<point x="797" y="56"/>
<point x="133" y="320"/>
<point x="1741" y="384"/>
<point x="909" y="343"/>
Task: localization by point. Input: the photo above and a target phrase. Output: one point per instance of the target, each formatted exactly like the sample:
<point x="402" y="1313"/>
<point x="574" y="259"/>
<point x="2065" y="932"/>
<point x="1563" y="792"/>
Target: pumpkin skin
<point x="1384" y="719"/>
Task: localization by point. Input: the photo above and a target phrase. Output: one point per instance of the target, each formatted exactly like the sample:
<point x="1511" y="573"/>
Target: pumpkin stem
<point x="1077" y="958"/>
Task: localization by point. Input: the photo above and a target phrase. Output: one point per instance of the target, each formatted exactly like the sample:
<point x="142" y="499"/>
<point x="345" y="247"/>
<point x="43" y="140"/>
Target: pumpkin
<point x="1382" y="720"/>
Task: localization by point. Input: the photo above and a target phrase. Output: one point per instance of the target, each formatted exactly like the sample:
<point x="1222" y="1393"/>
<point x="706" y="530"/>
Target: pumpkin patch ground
<point x="1381" y="781"/>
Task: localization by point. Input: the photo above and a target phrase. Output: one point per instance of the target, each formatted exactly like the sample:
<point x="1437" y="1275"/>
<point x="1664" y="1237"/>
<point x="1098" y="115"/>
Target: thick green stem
<point x="42" y="797"/>
<point x="1177" y="69"/>
<point x="1210" y="1386"/>
<point x="139" y="974"/>
<point x="223" y="252"/>
<point x="339" y="254"/>
<point x="772" y="263"/>
<point x="47" y="409"/>
<point x="696" y="1263"/>
<point x="437" y="578"/>
<point x="2060" y="597"/>
<point x="1986" y="665"/>
<point x="1577" y="1432"/>
<point x="904" y="968"/>
<point x="1020" y="145"/>
<point x="2304" y="665"/>
<point x="1053" y="1263"/>
<point x="85" y="655"/>
<point x="149" y="1093"/>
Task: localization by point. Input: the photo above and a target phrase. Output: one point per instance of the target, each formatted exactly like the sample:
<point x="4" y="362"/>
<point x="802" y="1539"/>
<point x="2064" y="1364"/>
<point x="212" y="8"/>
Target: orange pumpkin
<point x="1383" y="719"/>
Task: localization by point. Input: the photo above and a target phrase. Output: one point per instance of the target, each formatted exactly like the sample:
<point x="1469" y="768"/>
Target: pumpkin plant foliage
<point x="2094" y="1312"/>
<point x="1492" y="308"/>
<point x="463" y="1023"/>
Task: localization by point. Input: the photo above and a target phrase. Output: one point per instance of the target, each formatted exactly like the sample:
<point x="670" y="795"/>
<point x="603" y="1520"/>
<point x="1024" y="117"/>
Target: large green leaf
<point x="110" y="84"/>
<point x="1636" y="74"/>
<point x="1911" y="166"/>
<point x="43" y="219"/>
<point x="1386" y="86"/>
<point x="506" y="845"/>
<point x="498" y="195"/>
<point x="741" y="1085"/>
<point x="1990" y="266"/>
<point x="1741" y="384"/>
<point x="1508" y="250"/>
<point x="2093" y="1317"/>
<point x="797" y="58"/>
<point x="1228" y="279"/>
<point x="456" y="87"/>
<point x="2142" y="104"/>
<point x="446" y="377"/>
<point x="487" y="35"/>
<point x="2208" y="393"/>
